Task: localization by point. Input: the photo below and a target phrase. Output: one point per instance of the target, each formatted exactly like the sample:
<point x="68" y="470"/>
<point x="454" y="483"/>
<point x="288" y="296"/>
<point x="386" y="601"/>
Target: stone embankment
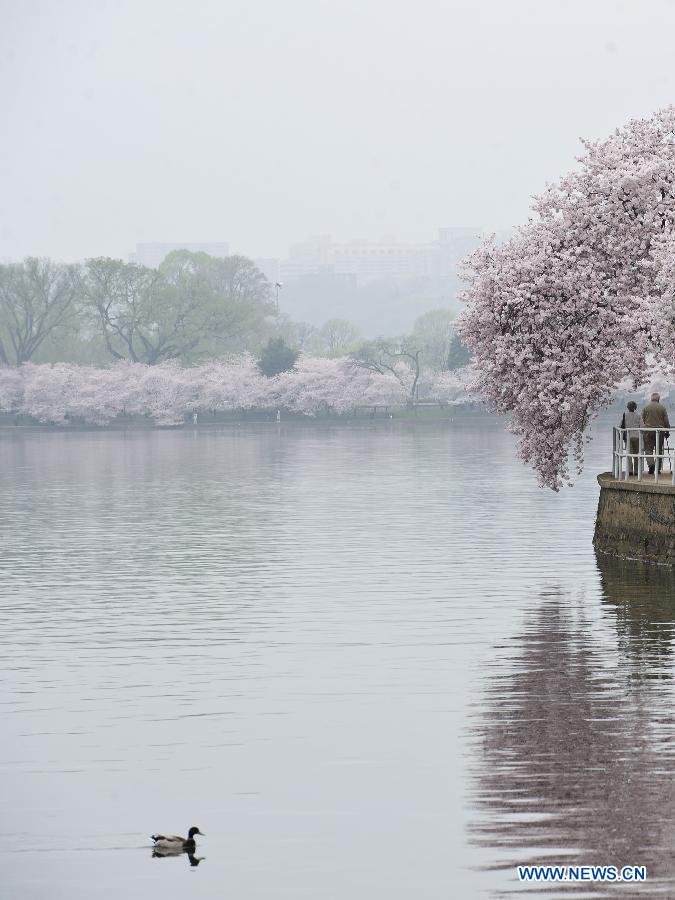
<point x="636" y="520"/>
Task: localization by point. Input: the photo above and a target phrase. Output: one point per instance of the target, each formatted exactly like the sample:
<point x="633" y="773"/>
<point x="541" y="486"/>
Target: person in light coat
<point x="632" y="420"/>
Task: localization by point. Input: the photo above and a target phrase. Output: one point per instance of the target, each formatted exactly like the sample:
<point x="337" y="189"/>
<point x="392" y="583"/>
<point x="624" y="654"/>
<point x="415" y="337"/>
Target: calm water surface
<point x="368" y="662"/>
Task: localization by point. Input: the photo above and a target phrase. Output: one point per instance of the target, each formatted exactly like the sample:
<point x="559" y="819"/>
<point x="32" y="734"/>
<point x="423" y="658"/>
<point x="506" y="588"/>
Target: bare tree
<point x="37" y="296"/>
<point x="383" y="354"/>
<point x="336" y="338"/>
<point x="299" y="335"/>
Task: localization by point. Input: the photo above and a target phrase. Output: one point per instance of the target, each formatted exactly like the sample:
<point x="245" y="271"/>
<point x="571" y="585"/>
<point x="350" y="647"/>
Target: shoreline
<point x="381" y="415"/>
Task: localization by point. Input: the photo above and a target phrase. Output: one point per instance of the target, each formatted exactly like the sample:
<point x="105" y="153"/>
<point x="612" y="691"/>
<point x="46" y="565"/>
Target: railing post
<point x="641" y="457"/>
<point x="619" y="451"/>
<point x="625" y="443"/>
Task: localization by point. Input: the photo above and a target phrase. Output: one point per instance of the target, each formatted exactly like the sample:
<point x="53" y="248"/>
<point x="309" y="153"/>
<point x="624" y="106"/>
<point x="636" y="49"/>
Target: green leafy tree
<point x="433" y="331"/>
<point x="458" y="354"/>
<point x="193" y="306"/>
<point x="79" y="342"/>
<point x="277" y="357"/>
<point x="232" y="294"/>
<point x="37" y="297"/>
<point x="124" y="295"/>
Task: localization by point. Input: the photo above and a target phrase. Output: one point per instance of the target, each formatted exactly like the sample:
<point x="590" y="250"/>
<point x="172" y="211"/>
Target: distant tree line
<point x="190" y="309"/>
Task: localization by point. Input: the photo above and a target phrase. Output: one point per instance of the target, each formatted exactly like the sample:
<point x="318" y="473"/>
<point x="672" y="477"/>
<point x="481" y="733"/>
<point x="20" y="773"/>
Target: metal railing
<point x="626" y="463"/>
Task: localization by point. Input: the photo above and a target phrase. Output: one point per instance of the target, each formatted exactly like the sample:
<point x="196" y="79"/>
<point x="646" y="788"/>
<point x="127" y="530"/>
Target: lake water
<point x="368" y="662"/>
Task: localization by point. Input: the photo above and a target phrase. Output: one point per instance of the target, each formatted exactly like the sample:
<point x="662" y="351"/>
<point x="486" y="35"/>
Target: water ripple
<point x="369" y="661"/>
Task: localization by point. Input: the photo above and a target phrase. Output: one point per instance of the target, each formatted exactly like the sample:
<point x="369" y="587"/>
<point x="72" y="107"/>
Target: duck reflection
<point x="164" y="852"/>
<point x="642" y="598"/>
<point x="573" y="749"/>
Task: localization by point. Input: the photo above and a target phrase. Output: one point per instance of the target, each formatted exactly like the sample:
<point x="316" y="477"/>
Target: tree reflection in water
<point x="575" y="743"/>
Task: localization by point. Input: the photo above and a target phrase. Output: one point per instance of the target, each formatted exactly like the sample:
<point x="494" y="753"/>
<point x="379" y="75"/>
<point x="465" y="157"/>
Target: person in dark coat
<point x="654" y="415"/>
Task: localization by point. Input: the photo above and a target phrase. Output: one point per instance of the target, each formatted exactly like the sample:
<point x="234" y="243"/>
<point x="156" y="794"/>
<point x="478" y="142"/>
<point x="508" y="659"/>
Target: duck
<point x="175" y="842"/>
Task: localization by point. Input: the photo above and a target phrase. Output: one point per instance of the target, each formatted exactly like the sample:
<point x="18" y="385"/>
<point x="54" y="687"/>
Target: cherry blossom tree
<point x="48" y="391"/>
<point x="367" y="388"/>
<point x="453" y="387"/>
<point x="581" y="297"/>
<point x="235" y="383"/>
<point x="94" y="396"/>
<point x="399" y="357"/>
<point x="337" y="385"/>
<point x="167" y="393"/>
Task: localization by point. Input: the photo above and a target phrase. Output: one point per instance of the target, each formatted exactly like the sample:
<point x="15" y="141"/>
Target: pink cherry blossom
<point x="168" y="394"/>
<point x="581" y="297"/>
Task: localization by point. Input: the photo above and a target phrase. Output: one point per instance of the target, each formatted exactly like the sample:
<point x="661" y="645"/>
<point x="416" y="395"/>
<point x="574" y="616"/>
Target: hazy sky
<point x="260" y="122"/>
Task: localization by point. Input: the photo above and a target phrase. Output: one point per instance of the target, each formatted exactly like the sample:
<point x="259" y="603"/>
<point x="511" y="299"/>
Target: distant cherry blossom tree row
<point x="582" y="297"/>
<point x="167" y="393"/>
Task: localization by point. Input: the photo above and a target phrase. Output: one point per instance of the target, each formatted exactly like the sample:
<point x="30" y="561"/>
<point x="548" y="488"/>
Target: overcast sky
<point x="260" y="122"/>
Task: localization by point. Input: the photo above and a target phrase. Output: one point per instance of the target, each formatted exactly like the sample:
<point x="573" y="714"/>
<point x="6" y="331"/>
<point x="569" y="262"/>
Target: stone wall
<point x="636" y="520"/>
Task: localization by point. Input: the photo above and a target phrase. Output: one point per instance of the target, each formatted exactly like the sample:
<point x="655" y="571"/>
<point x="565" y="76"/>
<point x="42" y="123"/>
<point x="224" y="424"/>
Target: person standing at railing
<point x="654" y="415"/>
<point x="632" y="420"/>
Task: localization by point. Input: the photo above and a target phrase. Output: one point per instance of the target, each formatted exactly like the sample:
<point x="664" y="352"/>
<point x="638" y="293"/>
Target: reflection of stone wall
<point x="636" y="520"/>
<point x="641" y="598"/>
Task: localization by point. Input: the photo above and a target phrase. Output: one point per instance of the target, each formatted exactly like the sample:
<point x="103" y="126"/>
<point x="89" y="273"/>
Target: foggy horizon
<point x="260" y="124"/>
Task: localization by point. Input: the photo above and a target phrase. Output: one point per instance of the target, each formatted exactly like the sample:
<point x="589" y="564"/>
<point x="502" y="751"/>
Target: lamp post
<point x="277" y="286"/>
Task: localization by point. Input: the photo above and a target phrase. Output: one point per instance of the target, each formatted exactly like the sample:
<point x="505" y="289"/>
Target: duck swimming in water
<point x="175" y="842"/>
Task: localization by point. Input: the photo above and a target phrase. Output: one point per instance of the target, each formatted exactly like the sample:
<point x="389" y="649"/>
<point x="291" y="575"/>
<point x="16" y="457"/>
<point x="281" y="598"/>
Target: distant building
<point x="317" y="296"/>
<point x="381" y="286"/>
<point x="153" y="254"/>
<point x="367" y="260"/>
<point x="385" y="259"/>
